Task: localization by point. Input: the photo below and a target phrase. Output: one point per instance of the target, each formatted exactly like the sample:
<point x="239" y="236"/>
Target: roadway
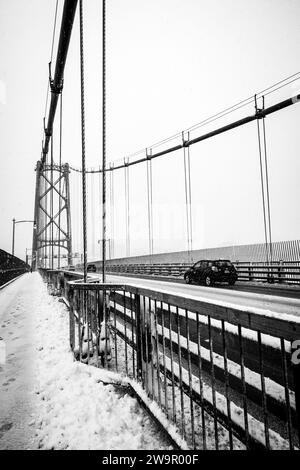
<point x="232" y="297"/>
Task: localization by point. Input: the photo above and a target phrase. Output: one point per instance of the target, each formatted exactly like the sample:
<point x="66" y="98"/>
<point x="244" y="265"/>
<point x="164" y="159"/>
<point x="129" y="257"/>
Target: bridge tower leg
<point x="59" y="219"/>
<point x="36" y="228"/>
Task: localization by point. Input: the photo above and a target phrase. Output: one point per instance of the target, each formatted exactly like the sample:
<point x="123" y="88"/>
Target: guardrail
<point x="280" y="272"/>
<point x="224" y="376"/>
<point x="10" y="267"/>
<point x="7" y="275"/>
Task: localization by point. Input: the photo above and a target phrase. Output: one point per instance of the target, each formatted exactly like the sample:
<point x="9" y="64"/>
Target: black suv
<point x="211" y="271"/>
<point x="91" y="268"/>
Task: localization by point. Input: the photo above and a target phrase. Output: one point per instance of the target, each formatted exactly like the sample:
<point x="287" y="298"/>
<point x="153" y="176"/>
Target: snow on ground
<point x="66" y="404"/>
<point x="16" y="369"/>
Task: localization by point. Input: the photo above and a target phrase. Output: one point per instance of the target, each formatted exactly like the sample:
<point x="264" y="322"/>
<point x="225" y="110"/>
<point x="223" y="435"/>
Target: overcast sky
<point x="170" y="64"/>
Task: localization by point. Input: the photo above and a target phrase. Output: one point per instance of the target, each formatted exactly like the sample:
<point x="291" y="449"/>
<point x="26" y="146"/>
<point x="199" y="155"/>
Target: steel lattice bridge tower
<point x="52" y="215"/>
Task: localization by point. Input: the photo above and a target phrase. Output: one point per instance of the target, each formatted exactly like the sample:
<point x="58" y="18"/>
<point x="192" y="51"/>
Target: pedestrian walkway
<point x="16" y="367"/>
<point x="46" y="398"/>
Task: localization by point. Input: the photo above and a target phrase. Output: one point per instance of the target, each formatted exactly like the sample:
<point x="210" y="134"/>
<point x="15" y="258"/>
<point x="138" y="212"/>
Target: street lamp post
<point x="14" y="225"/>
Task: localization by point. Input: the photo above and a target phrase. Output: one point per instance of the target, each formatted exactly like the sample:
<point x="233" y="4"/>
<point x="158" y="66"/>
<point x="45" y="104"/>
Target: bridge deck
<point x="45" y="397"/>
<point x="265" y="303"/>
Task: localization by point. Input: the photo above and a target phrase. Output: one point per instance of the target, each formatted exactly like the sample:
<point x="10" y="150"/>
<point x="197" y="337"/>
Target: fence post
<point x="139" y="352"/>
<point x="296" y="376"/>
<point x="280" y="272"/>
<point x="250" y="270"/>
<point x="71" y="318"/>
<point x="63" y="285"/>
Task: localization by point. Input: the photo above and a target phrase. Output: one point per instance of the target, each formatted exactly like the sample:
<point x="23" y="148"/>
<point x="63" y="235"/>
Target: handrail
<point x="247" y="317"/>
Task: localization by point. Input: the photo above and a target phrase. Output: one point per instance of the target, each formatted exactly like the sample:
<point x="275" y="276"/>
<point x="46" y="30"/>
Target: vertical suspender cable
<point x="87" y="176"/>
<point x="128" y="210"/>
<point x="84" y="221"/>
<point x="50" y="231"/>
<point x="186" y="203"/>
<point x="262" y="186"/>
<point x="100" y="209"/>
<point x="49" y="221"/>
<point x="44" y="216"/>
<point x="92" y="198"/>
<point x="190" y="202"/>
<point x="60" y="173"/>
<point x="126" y="226"/>
<point x="149" y="202"/>
<point x="44" y="202"/>
<point x="267" y="189"/>
<point x="151" y="205"/>
<point x="79" y="209"/>
<point x="127" y="215"/>
<point x="51" y="203"/>
<point x="103" y="141"/>
<point x="112" y="211"/>
<point x="188" y="198"/>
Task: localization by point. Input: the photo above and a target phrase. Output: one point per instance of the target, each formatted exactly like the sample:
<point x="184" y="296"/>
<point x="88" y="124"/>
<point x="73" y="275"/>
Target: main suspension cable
<point x="213" y="118"/>
<point x="51" y="56"/>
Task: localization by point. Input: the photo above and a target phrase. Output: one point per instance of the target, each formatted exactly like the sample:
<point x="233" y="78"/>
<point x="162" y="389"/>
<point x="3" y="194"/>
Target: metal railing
<point x="10" y="267"/>
<point x="223" y="376"/>
<point x="7" y="275"/>
<point x="279" y="272"/>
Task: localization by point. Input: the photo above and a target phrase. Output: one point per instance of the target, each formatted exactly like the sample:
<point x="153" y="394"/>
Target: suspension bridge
<point x="220" y="363"/>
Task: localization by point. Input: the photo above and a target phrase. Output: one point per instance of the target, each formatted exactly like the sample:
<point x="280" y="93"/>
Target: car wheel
<point x="187" y="279"/>
<point x="208" y="281"/>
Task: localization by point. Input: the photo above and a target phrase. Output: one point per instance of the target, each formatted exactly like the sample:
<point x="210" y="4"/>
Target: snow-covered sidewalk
<point x="49" y="401"/>
<point x="17" y="401"/>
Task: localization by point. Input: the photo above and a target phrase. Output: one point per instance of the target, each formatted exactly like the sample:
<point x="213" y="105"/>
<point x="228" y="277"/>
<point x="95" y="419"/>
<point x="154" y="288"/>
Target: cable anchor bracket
<point x="56" y="89"/>
<point x="185" y="142"/>
<point x="149" y="153"/>
<point x="259" y="112"/>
